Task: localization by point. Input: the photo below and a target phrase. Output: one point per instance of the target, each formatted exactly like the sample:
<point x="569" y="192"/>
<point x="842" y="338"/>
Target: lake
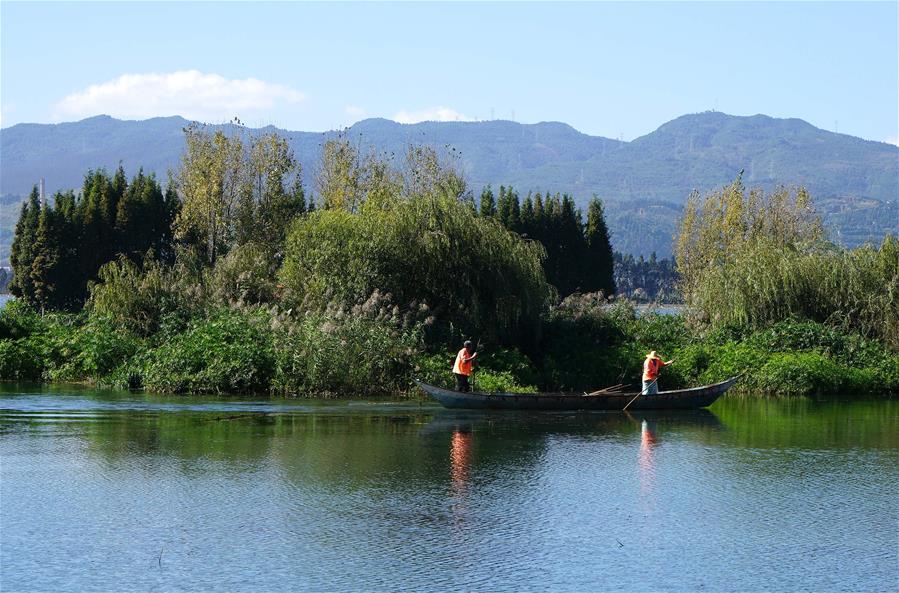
<point x="113" y="491"/>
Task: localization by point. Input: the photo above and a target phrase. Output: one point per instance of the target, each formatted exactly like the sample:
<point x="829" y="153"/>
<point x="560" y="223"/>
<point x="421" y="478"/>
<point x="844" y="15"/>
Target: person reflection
<point x="648" y="442"/>
<point x="460" y="458"/>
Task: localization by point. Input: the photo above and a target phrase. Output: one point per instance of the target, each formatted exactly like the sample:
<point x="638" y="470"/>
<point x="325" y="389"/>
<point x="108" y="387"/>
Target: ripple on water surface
<point x="106" y="491"/>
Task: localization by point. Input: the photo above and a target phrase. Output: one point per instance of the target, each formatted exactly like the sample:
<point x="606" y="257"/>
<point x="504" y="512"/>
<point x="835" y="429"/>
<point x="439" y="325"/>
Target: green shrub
<point x="847" y="347"/>
<point x="18" y="320"/>
<point x="499" y="382"/>
<point x="228" y="352"/>
<point x="732" y="359"/>
<point x="434" y="369"/>
<point x="345" y="354"/>
<point x="690" y="363"/>
<point x="245" y="275"/>
<point x="91" y="351"/>
<point x="800" y="373"/>
<point x="20" y="360"/>
<point x="504" y="360"/>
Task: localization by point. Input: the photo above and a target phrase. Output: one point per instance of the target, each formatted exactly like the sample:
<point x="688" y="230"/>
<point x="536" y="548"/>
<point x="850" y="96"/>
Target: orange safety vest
<point x="651" y="368"/>
<point x="463" y="364"/>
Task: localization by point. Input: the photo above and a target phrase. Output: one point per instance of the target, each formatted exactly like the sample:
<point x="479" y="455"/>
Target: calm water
<point x="110" y="491"/>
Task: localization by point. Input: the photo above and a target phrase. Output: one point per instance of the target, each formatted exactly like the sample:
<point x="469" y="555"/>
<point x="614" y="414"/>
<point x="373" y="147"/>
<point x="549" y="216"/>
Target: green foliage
<point x="18" y="320"/>
<point x="246" y="275"/>
<point x="512" y="362"/>
<point x="580" y="344"/>
<point x="753" y="259"/>
<point x="225" y="353"/>
<point x="139" y="297"/>
<point x="434" y="369"/>
<point x="849" y="348"/>
<point x="20" y="360"/>
<point x="348" y="354"/>
<point x="472" y="273"/>
<point x="91" y="351"/>
<point x="499" y="382"/>
<point x="59" y="247"/>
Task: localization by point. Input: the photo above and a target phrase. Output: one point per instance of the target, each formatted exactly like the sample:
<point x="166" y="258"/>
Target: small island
<point x="233" y="277"/>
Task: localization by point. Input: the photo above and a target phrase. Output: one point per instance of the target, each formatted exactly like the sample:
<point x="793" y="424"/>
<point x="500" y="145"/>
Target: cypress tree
<point x="131" y="219"/>
<point x="515" y="218"/>
<point x="599" y="250"/>
<point x="46" y="267"/>
<point x="93" y="233"/>
<point x="527" y="216"/>
<point x="488" y="204"/>
<point x="539" y="216"/>
<point x="23" y="248"/>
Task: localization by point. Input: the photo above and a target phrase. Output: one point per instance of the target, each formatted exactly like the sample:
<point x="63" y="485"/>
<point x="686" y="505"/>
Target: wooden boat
<point x="678" y="399"/>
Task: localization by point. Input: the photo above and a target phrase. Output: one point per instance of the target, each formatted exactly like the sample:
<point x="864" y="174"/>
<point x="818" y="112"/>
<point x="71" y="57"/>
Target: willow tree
<point x="753" y="258"/>
<point x="425" y="245"/>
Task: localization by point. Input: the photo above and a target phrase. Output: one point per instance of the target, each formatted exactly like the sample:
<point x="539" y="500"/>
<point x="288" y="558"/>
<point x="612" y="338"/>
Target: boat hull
<point x="680" y="399"/>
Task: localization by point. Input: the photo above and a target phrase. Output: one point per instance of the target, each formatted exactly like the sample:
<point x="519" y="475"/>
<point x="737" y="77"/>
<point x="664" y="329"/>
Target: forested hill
<point x="643" y="182"/>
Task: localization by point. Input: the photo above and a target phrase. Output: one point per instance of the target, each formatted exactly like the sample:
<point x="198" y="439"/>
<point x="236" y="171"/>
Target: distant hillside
<point x="644" y="182"/>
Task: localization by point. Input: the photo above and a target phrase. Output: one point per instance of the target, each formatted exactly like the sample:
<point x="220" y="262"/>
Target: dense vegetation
<point x="753" y="259"/>
<point x="59" y="247"/>
<point x="252" y="287"/>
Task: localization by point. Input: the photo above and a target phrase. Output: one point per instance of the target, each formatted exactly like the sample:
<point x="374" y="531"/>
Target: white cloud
<point x="892" y="140"/>
<point x="189" y="93"/>
<point x="5" y="111"/>
<point x="354" y="111"/>
<point x="432" y="114"/>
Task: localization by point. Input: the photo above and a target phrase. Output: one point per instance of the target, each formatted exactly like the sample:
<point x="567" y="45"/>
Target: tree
<point x="488" y="203"/>
<point x="508" y="209"/>
<point x="599" y="261"/>
<point x="212" y="177"/>
<point x="46" y="270"/>
<point x="339" y="177"/>
<point x="527" y="216"/>
<point x="749" y="258"/>
<point x="23" y="247"/>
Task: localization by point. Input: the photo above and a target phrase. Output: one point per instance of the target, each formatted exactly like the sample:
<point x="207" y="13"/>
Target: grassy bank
<point x="375" y="350"/>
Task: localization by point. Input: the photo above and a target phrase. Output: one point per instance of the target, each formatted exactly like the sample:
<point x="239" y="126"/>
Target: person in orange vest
<point x="462" y="366"/>
<point x="651" y="367"/>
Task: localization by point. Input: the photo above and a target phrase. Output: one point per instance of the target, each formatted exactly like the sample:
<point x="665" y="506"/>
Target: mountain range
<point x="644" y="183"/>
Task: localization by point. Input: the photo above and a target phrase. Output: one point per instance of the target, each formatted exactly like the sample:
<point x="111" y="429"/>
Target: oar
<point x="644" y="390"/>
<point x="607" y="389"/>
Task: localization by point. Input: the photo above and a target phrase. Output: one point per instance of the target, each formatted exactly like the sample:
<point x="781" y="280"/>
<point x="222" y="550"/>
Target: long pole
<point x="624" y="409"/>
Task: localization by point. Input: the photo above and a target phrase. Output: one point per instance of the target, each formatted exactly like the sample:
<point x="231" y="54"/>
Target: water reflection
<point x="306" y="496"/>
<point x="460" y="458"/>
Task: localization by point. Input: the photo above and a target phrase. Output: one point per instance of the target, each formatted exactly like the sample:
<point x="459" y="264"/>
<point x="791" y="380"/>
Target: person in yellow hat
<point x="651" y="367"/>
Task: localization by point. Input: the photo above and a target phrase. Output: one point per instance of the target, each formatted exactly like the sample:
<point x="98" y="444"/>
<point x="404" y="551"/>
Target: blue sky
<point x="611" y="69"/>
